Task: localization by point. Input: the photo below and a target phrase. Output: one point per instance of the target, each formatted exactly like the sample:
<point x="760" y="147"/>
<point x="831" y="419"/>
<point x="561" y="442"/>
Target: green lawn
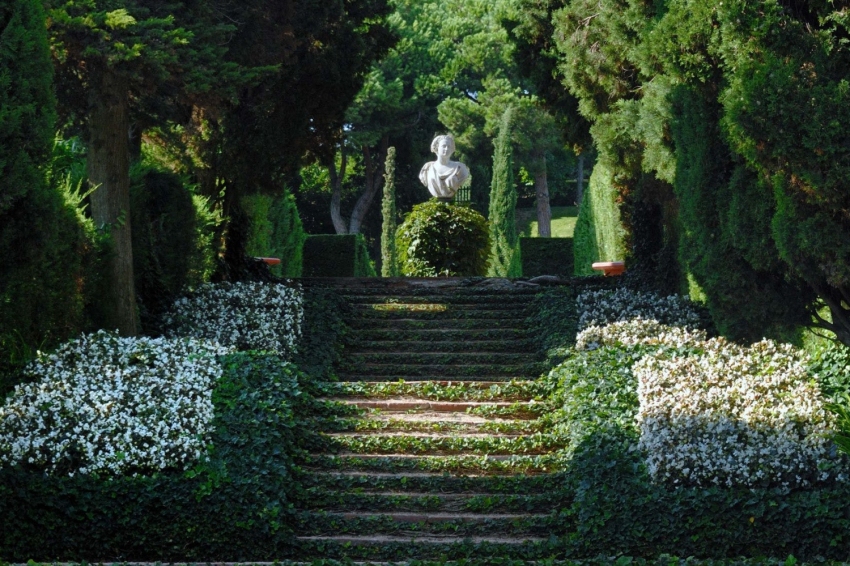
<point x="563" y="221"/>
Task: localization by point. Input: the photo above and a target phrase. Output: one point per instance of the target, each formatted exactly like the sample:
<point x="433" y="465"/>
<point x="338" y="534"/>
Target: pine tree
<point x="389" y="259"/>
<point x="504" y="258"/>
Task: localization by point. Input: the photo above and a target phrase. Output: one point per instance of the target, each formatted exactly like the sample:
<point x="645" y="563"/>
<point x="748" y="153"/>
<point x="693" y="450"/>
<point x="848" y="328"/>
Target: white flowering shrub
<point x="734" y="416"/>
<point x="245" y="316"/>
<point x="602" y="307"/>
<point x="636" y="332"/>
<point x="112" y="405"/>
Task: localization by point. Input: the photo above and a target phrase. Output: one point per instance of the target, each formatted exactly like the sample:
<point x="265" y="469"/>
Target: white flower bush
<point x="735" y="416"/>
<point x="245" y="316"/>
<point x="638" y="331"/>
<point x="113" y="405"/>
<point x="599" y="308"/>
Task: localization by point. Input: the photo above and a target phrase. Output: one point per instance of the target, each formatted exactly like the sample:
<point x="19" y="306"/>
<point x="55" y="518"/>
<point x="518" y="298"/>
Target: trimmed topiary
<point x="442" y="239"/>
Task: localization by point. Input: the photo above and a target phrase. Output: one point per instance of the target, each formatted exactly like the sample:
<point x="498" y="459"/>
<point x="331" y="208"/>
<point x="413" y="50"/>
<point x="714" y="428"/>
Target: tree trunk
<point x="580" y="179"/>
<point x="109" y="171"/>
<point x="544" y="212"/>
<point x="373" y="185"/>
<point x="336" y="197"/>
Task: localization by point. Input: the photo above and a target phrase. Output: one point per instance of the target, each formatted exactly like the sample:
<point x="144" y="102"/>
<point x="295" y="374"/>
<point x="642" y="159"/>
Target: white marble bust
<point x="443" y="177"/>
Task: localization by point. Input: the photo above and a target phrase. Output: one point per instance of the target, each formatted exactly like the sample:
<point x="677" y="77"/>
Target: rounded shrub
<point x="439" y="238"/>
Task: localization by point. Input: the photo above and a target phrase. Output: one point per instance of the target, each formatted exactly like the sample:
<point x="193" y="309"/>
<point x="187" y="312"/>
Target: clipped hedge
<point x="442" y="239"/>
<point x="546" y="256"/>
<point x="337" y="255"/>
<point x="234" y="507"/>
<point x="276" y="231"/>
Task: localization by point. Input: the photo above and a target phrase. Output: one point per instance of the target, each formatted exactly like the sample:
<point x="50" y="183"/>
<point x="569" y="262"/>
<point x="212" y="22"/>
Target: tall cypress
<point x="40" y="240"/>
<point x="389" y="259"/>
<point x="504" y="257"/>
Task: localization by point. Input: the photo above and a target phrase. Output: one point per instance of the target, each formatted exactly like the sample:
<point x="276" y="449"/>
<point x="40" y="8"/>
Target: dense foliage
<point x="46" y="246"/>
<point x="504" y="255"/>
<point x="612" y="502"/>
<point x="442" y="239"/>
<point x="389" y="255"/>
<point x="546" y="256"/>
<point x="276" y="231"/>
<point x="337" y="255"/>
<point x="697" y="113"/>
<point x="235" y="504"/>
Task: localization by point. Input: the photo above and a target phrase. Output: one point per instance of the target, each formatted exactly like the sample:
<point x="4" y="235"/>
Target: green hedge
<point x="234" y="507"/>
<point x="276" y="231"/>
<point x="546" y="256"/>
<point x="599" y="234"/>
<point x="337" y="255"/>
<point x="610" y="505"/>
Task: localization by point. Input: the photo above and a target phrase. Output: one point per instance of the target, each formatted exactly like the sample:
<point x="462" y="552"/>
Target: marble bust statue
<point x="443" y="177"/>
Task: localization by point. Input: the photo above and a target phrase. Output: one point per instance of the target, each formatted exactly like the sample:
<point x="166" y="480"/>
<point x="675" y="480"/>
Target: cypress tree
<point x="504" y="257"/>
<point x="41" y="241"/>
<point x="389" y="260"/>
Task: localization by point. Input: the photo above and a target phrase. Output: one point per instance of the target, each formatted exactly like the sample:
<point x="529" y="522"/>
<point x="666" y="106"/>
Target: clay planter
<point x="269" y="260"/>
<point x="610" y="268"/>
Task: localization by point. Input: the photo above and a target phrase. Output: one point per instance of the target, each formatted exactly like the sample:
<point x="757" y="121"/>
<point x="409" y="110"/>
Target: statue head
<point x="450" y="141"/>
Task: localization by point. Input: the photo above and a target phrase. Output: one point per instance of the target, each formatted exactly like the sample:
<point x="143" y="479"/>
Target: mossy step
<point x="456" y="423"/>
<point x="517" y="315"/>
<point x="440" y="390"/>
<point x="441" y="346"/>
<point x="425" y="547"/>
<point x="413" y="404"/>
<point x="354" y="377"/>
<point x="437" y="335"/>
<point x="447" y="324"/>
<point x="321" y="498"/>
<point x="443" y="358"/>
<point x="412" y="523"/>
<point x="441" y="298"/>
<point x="431" y="444"/>
<point x="457" y="463"/>
<point x="507" y="306"/>
<point x="442" y="482"/>
<point x="442" y="368"/>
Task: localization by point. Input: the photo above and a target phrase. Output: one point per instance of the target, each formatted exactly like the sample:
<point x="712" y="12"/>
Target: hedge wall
<point x="234" y="507"/>
<point x="337" y="255"/>
<point x="546" y="256"/>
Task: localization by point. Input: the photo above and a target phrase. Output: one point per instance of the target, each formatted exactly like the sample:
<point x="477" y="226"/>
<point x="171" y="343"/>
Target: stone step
<point x="438" y="335"/>
<point x="440" y="346"/>
<point x="455" y="463"/>
<point x="442" y="390"/>
<point x="516" y="316"/>
<point x="411" y="443"/>
<point x="413" y="404"/>
<point x="425" y="421"/>
<point x="453" y="298"/>
<point x="423" y="523"/>
<point x="454" y="371"/>
<point x="405" y="324"/>
<point x="506" y="305"/>
<point x="427" y="547"/>
<point x="353" y="377"/>
<point x="441" y="358"/>
<point x="435" y="482"/>
<point x="401" y="501"/>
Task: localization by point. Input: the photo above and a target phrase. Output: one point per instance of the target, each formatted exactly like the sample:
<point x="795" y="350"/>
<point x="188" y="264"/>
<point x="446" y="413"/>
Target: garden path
<point x="445" y="457"/>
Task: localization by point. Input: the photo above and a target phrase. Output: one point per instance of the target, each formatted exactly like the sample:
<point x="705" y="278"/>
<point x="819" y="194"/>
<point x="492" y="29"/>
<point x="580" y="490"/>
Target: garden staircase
<point x="442" y="455"/>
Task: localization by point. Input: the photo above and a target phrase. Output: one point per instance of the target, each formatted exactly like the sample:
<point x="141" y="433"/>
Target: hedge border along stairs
<point x="438" y="453"/>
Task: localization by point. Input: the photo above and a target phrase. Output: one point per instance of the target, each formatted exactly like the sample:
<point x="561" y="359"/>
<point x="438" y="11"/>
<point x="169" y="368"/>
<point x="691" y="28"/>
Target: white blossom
<point x="106" y="404"/>
<point x="246" y="316"/>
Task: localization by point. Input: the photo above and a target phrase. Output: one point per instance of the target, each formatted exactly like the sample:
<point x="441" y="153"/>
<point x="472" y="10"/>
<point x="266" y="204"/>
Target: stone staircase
<point x="438" y="452"/>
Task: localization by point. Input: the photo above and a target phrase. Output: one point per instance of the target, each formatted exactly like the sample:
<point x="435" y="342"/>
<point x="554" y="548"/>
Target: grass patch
<point x="563" y="221"/>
